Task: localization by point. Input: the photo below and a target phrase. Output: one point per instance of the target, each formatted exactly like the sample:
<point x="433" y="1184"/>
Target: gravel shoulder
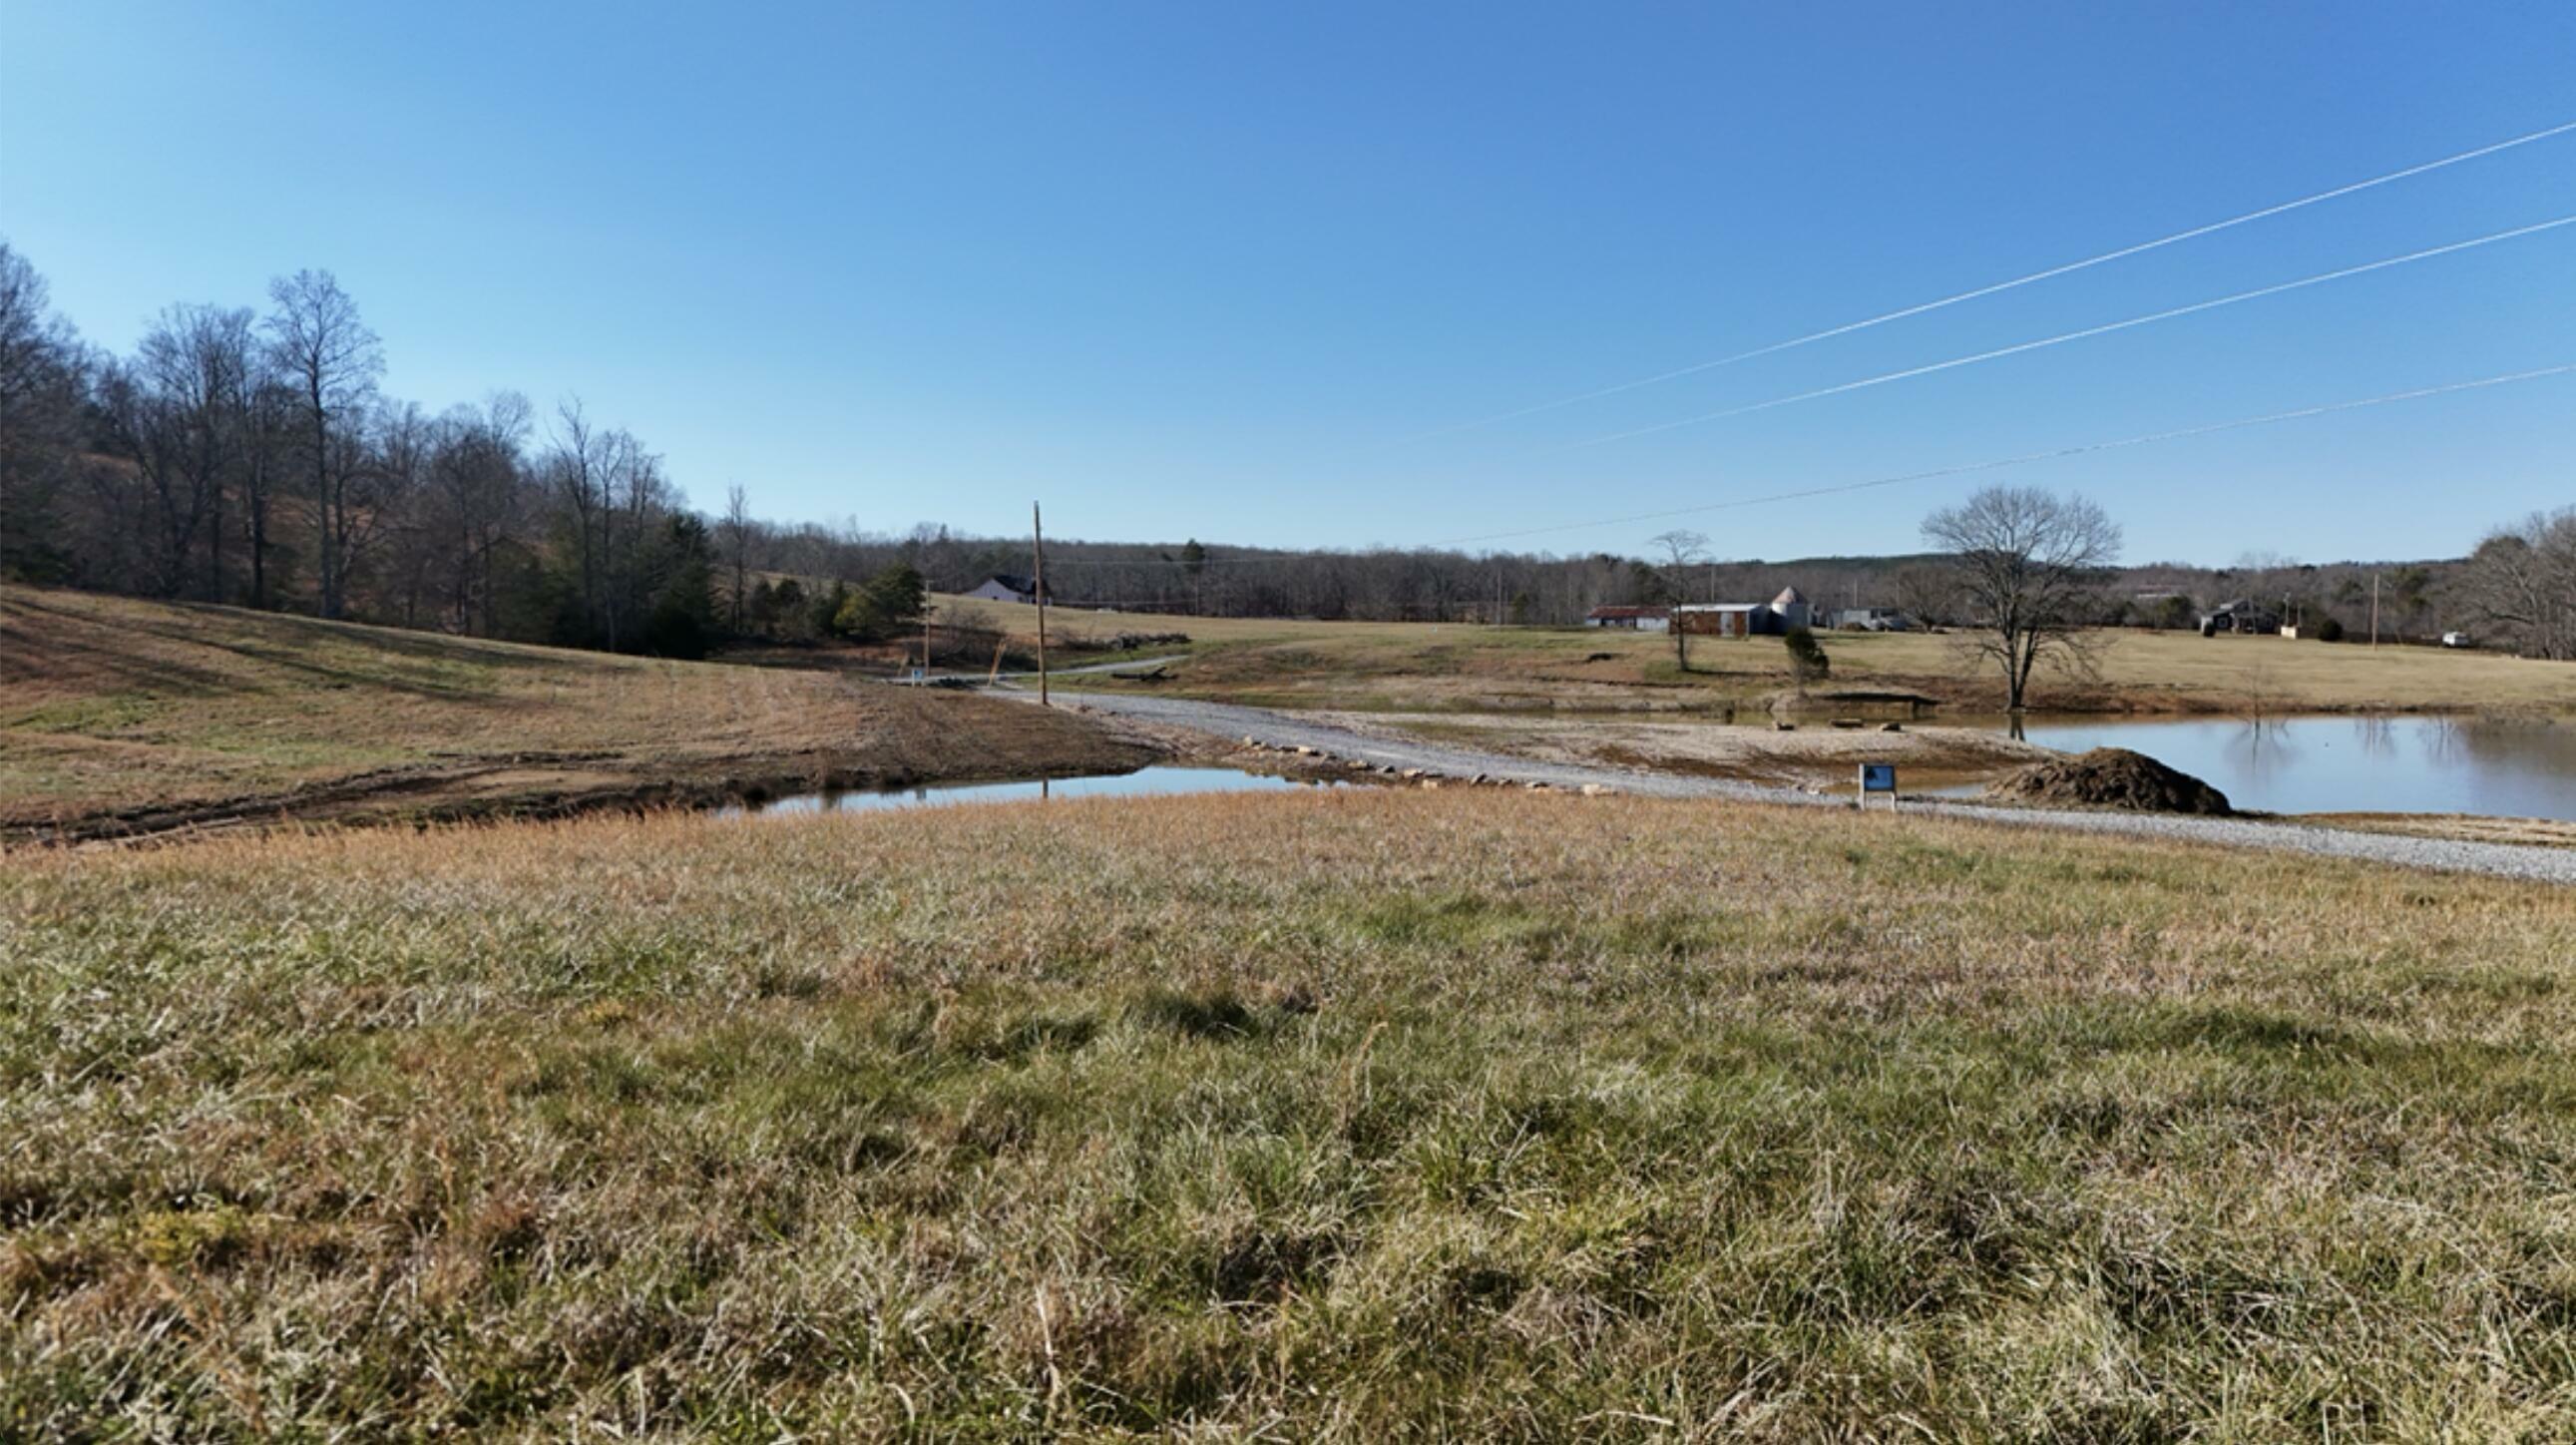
<point x="1384" y="749"/>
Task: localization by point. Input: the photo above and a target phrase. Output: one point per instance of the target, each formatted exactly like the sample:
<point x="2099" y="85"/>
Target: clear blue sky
<point x="1196" y="268"/>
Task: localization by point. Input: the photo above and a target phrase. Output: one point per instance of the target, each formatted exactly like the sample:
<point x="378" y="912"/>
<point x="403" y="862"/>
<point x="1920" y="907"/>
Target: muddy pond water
<point x="2396" y="764"/>
<point x="1144" y="782"/>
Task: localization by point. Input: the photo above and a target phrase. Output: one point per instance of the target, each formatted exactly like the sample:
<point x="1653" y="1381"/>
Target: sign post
<point x="1878" y="778"/>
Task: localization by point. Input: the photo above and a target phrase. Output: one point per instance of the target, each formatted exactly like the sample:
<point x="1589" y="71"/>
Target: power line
<point x="1931" y="474"/>
<point x="2054" y="271"/>
<point x="2089" y="331"/>
<point x="2025" y="458"/>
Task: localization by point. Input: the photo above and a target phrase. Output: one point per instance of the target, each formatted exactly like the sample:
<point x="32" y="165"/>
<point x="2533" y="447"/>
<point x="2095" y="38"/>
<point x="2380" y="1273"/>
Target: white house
<point x="1003" y="587"/>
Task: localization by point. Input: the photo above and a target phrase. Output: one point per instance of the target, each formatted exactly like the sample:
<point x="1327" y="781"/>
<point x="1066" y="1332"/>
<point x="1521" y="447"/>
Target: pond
<point x="1143" y="782"/>
<point x="2404" y="764"/>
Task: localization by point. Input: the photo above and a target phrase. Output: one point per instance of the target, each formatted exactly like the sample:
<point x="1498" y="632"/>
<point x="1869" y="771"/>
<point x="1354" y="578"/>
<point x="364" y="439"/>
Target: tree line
<point x="251" y="456"/>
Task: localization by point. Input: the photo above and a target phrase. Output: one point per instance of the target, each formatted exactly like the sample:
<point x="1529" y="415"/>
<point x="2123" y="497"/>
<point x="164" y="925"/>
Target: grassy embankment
<point x="117" y="714"/>
<point x="1323" y="1117"/>
<point x="1425" y="667"/>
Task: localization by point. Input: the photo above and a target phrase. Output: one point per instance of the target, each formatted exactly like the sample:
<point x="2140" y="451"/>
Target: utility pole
<point x="1037" y="554"/>
<point x="925" y="643"/>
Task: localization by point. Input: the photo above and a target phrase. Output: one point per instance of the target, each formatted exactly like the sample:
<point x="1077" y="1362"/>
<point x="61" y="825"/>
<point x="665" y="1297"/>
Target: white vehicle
<point x="2457" y="639"/>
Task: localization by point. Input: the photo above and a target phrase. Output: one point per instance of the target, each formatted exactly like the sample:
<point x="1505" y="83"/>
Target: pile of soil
<point x="2110" y="778"/>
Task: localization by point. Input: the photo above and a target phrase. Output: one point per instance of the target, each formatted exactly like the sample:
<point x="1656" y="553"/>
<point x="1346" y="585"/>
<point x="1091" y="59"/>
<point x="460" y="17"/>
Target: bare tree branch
<point x="2030" y="568"/>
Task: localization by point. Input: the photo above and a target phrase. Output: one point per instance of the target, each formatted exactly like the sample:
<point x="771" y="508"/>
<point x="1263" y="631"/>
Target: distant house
<point x="1871" y="619"/>
<point x="1630" y="619"/>
<point x="1785" y="613"/>
<point x="2239" y="616"/>
<point x="1003" y="587"/>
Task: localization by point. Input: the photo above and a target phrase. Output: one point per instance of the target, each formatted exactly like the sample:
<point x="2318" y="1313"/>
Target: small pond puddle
<point x="1144" y="782"/>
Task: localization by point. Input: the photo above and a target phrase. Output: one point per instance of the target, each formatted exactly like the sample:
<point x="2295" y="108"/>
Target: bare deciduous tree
<point x="479" y="491"/>
<point x="737" y="529"/>
<point x="2030" y="567"/>
<point x="332" y="361"/>
<point x="41" y="380"/>
<point x="584" y="465"/>
<point x="1683" y="549"/>
<point x="2521" y="581"/>
<point x="399" y="445"/>
<point x="165" y="511"/>
<point x="618" y="495"/>
<point x="193" y="364"/>
<point x="263" y="410"/>
<point x="1929" y="593"/>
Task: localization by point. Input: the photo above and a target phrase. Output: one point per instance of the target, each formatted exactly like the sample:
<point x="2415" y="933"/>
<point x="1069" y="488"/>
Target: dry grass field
<point x="118" y="715"/>
<point x="1414" y="667"/>
<point x="2464" y="827"/>
<point x="1931" y="755"/>
<point x="1364" y="1116"/>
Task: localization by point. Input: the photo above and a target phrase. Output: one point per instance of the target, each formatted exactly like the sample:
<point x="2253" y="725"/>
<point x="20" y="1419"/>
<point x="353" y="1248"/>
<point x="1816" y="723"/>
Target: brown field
<point x="1336" y="1117"/>
<point x="1751" y="751"/>
<point x="119" y="716"/>
<point x="1414" y="667"/>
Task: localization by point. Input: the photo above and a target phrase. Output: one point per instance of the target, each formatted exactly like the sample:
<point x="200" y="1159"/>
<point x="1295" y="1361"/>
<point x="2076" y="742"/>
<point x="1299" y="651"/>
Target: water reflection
<point x="2395" y="764"/>
<point x="2262" y="747"/>
<point x="1141" y="783"/>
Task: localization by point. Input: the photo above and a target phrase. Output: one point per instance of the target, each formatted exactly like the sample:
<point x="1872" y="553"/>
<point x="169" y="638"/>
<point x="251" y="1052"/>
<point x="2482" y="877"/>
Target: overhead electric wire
<point x="2064" y="337"/>
<point x="2000" y="286"/>
<point x="2023" y="459"/>
<point x="1929" y="474"/>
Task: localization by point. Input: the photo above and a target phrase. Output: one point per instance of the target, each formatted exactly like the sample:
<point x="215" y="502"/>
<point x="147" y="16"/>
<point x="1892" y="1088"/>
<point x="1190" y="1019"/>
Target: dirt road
<point x="1287" y="730"/>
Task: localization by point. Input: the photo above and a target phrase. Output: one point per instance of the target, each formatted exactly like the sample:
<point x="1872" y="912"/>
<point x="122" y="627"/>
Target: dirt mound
<point x="2110" y="778"/>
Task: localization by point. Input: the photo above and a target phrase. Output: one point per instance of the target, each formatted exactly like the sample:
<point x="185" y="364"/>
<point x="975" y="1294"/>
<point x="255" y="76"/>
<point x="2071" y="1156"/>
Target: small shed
<point x="1630" y="619"/>
<point x="1724" y="619"/>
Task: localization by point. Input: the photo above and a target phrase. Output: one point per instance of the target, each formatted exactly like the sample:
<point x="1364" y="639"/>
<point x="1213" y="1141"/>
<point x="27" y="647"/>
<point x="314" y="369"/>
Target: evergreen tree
<point x="889" y="604"/>
<point x="898" y="595"/>
<point x="1807" y="656"/>
<point x="827" y="610"/>
<point x="683" y="616"/>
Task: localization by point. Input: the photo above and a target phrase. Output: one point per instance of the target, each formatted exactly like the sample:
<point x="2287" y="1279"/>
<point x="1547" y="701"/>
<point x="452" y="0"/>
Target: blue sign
<point x="1878" y="777"/>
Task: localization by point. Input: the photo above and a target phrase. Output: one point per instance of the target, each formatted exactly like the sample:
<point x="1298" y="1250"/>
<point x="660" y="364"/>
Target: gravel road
<point x="1287" y="730"/>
